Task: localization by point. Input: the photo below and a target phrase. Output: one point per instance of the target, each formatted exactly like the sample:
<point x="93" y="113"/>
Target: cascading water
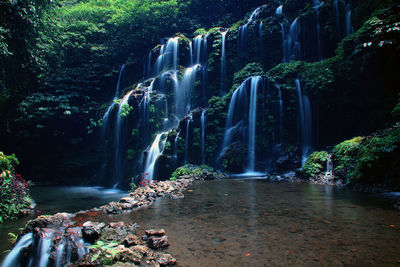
<point x="260" y="34"/>
<point x="189" y="119"/>
<point x="155" y="151"/>
<point x="243" y="29"/>
<point x="185" y="91"/>
<point x="317" y="5"/>
<point x="203" y="135"/>
<point x="291" y="46"/>
<point x="118" y="135"/>
<point x="146" y="104"/>
<point x="168" y="58"/>
<point x="223" y="61"/>
<point x="40" y="249"/>
<point x="280" y="112"/>
<point x="255" y="81"/>
<point x="13" y="257"/>
<point x="294" y="41"/>
<point x="279" y="10"/>
<point x="117" y="92"/>
<point x="236" y="117"/>
<point x="343" y="17"/>
<point x="305" y="122"/>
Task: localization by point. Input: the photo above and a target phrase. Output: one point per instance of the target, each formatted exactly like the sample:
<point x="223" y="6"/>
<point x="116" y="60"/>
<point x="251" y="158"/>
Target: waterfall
<point x="243" y="29"/>
<point x="279" y="10"/>
<point x="12" y="258"/>
<point x="168" y="58"/>
<point x="305" y="122"/>
<point x="184" y="93"/>
<point x="280" y="112"/>
<point x="343" y="13"/>
<point x="189" y="119"/>
<point x="285" y="46"/>
<point x="118" y="135"/>
<point x="149" y="70"/>
<point x="255" y="81"/>
<point x="317" y="5"/>
<point x="238" y="102"/>
<point x="293" y="41"/>
<point x="117" y="92"/>
<point x="260" y="34"/>
<point x="146" y="104"/>
<point x="349" y="27"/>
<point x="155" y="150"/>
<point x="223" y="61"/>
<point x="203" y="129"/>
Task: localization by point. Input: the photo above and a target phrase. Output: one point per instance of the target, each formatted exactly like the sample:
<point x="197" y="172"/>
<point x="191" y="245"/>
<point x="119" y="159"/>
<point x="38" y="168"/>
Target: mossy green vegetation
<point x="344" y="158"/>
<point x="315" y="163"/>
<point x="14" y="191"/>
<point x="190" y="169"/>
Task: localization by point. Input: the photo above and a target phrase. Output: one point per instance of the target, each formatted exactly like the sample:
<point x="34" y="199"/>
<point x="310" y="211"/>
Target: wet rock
<point x="131" y="240"/>
<point x="165" y="259"/>
<point x="155" y="232"/>
<point x="140" y="249"/>
<point x="157" y="242"/>
<point x="117" y="232"/>
<point x="44" y="221"/>
<point x="177" y="195"/>
<point x="127" y="255"/>
<point x="91" y="231"/>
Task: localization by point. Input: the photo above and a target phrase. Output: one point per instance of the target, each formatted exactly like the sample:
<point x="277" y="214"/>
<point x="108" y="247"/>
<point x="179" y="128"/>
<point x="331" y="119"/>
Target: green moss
<point x="315" y="164"/>
<point x="190" y="169"/>
<point x="251" y="69"/>
<point x="344" y="156"/>
<point x="379" y="159"/>
<point x="8" y="163"/>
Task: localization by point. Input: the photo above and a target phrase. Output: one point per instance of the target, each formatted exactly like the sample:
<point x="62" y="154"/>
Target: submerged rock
<point x="158" y="242"/>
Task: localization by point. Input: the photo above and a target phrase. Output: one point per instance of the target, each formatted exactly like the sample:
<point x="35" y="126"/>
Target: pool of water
<point x="51" y="200"/>
<point x="258" y="223"/>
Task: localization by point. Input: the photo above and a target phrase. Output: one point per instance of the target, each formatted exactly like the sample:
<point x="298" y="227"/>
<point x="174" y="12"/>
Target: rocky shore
<point x="78" y="239"/>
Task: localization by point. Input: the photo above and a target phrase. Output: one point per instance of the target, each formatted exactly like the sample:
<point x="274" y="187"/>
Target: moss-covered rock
<point x="344" y="157"/>
<point x="315" y="164"/>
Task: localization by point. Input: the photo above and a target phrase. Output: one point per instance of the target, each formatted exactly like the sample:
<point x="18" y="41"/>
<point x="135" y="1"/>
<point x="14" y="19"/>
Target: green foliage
<point x="379" y="158"/>
<point x="125" y="110"/>
<point x="104" y="252"/>
<point x="14" y="191"/>
<point x="344" y="156"/>
<point x="190" y="169"/>
<point x="251" y="69"/>
<point x="315" y="163"/>
<point x="8" y="163"/>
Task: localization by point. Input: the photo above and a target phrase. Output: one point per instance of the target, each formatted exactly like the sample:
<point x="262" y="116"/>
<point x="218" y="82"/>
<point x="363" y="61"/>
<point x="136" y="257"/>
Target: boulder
<point x="91" y="231"/>
<point x="157" y="242"/>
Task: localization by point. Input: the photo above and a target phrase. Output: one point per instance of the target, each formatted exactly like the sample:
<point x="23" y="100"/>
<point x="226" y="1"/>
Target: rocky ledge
<point x="146" y="195"/>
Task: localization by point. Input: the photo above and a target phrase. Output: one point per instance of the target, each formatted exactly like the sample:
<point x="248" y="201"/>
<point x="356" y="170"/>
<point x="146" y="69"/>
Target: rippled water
<point x="257" y="223"/>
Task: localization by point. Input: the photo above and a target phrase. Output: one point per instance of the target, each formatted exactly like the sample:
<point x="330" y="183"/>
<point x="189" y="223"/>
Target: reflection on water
<point x="256" y="223"/>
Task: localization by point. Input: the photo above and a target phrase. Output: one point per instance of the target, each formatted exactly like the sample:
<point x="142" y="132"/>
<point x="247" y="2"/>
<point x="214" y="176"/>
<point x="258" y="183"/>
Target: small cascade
<point x="280" y="113"/>
<point x="190" y="118"/>
<point x="118" y="135"/>
<point x="291" y="46"/>
<point x="349" y="27"/>
<point x="166" y="116"/>
<point x="293" y="41"/>
<point x="279" y="10"/>
<point x="305" y="122"/>
<point x="255" y="81"/>
<point x="13" y="258"/>
<point x="168" y="58"/>
<point x="146" y="104"/>
<point x="184" y="91"/>
<point x="199" y="56"/>
<point x="243" y="29"/>
<point x="117" y="92"/>
<point x="237" y="118"/>
<point x="329" y="166"/>
<point x="343" y="17"/>
<point x="203" y="135"/>
<point x="223" y="61"/>
<point x="49" y="247"/>
<point x="148" y="69"/>
<point x="317" y="5"/>
<point x="176" y="147"/>
<point x="155" y="150"/>
<point x="260" y="34"/>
